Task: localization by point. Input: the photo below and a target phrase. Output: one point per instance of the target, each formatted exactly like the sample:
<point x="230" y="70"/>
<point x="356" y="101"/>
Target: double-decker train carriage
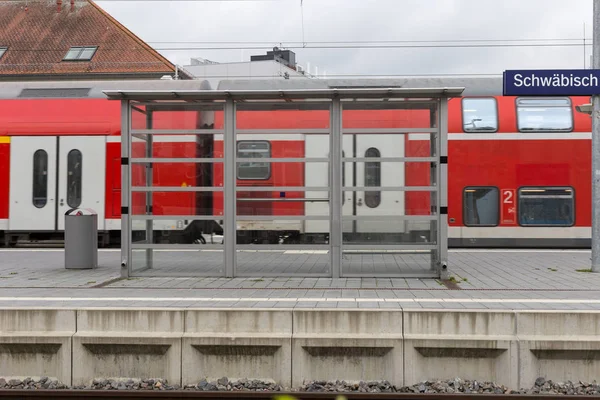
<point x="519" y="169"/>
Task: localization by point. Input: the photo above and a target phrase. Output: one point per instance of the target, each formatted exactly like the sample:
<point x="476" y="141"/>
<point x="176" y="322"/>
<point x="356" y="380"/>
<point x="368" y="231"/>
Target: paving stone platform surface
<point x="480" y="279"/>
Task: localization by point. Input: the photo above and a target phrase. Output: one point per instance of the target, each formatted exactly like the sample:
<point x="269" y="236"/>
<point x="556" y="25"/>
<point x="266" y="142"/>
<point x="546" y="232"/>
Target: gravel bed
<point x="457" y="385"/>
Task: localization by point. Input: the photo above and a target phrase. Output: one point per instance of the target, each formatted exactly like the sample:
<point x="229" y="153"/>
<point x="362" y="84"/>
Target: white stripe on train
<point x="519" y="232"/>
<point x="411" y="136"/>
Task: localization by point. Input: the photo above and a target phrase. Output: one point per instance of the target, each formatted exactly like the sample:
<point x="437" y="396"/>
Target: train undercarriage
<point x="198" y="234"/>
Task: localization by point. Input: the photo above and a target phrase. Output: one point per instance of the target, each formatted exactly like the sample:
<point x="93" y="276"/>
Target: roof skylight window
<point x="80" y="53"/>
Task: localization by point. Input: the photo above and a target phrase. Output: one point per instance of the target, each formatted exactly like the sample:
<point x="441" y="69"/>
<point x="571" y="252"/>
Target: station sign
<point x="559" y="82"/>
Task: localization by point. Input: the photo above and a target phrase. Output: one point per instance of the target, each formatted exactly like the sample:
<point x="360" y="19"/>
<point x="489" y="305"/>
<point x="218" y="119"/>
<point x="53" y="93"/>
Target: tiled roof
<point x="39" y="33"/>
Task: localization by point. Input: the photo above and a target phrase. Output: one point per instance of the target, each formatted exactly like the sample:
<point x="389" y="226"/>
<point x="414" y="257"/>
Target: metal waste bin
<point x="81" y="239"/>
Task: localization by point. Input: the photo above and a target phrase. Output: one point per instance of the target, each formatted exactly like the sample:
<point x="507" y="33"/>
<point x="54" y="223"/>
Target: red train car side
<point x="519" y="169"/>
<point x="527" y="181"/>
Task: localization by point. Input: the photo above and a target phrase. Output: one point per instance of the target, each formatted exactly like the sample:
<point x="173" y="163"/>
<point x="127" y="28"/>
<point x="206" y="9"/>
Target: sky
<point x="192" y="24"/>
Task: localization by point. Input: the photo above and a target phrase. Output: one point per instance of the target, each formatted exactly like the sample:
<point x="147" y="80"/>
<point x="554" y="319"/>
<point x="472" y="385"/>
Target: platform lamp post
<point x="589" y="109"/>
<point x="596" y="145"/>
<point x="593" y="110"/>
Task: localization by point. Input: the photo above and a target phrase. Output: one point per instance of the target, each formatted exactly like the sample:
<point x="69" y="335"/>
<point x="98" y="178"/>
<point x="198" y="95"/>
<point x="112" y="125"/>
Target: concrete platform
<point x="481" y="279"/>
<point x="506" y="316"/>
<point x="188" y="262"/>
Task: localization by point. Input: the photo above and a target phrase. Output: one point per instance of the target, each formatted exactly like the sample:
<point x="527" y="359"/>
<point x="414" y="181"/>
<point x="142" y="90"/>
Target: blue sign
<point x="559" y="82"/>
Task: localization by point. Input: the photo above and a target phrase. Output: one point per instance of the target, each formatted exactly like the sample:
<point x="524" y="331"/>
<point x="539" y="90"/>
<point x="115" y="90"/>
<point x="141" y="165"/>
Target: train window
<point x="480" y="206"/>
<point x="480" y="115"/>
<point x="74" y="160"/>
<point x="372" y="178"/>
<point x="545" y="114"/>
<point x="546" y="206"/>
<point x="252" y="170"/>
<point x="40" y="178"/>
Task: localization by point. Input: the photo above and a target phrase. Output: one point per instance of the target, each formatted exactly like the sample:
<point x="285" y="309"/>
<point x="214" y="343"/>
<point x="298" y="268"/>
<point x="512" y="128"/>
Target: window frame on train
<point x="74" y="179"/>
<point x="541" y="100"/>
<point x="475" y="130"/>
<point x="40" y="178"/>
<point x="537" y="189"/>
<point x="373" y="197"/>
<point x="239" y="166"/>
<point x="469" y="189"/>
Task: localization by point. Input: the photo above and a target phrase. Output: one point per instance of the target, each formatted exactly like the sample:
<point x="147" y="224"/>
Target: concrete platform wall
<point x="127" y="344"/>
<point x="37" y="343"/>
<point x="471" y="344"/>
<point x="289" y="346"/>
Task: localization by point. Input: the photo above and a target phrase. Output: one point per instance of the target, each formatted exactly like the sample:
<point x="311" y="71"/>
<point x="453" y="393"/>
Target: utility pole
<point x="596" y="146"/>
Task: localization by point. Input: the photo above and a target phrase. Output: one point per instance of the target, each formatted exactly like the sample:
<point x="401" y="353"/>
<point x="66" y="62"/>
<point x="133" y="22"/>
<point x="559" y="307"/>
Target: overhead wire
<point x="192" y="1"/>
<point x="349" y="45"/>
<point x="340" y="47"/>
<point x="368" y="41"/>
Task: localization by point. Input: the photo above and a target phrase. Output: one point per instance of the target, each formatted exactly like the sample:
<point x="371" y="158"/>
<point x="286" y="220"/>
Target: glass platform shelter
<point x="347" y="182"/>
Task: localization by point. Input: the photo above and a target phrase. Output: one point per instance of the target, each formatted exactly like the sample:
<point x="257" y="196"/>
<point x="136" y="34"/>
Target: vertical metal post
<point x="149" y="183"/>
<point x="433" y="180"/>
<point x="335" y="197"/>
<point x="442" y="187"/>
<point x="596" y="146"/>
<point x="230" y="194"/>
<point x="125" y="190"/>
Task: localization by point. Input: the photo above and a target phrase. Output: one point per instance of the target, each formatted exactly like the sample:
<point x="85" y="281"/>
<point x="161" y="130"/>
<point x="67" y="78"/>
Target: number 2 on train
<point x="509" y="210"/>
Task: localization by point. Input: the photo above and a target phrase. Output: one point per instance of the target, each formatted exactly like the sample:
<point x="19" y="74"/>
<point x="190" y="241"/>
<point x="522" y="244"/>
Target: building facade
<point x="277" y="64"/>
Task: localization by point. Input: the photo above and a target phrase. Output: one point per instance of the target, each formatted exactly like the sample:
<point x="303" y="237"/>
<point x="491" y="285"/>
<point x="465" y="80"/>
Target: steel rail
<point x="99" y="394"/>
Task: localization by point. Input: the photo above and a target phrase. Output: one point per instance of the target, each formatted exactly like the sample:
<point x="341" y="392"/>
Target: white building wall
<point x="214" y="73"/>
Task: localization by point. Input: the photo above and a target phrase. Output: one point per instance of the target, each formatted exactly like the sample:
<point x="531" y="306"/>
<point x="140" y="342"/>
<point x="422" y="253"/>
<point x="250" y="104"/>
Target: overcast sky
<point x="280" y="21"/>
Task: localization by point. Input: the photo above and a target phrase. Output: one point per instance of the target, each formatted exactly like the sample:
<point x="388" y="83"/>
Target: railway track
<point x="15" y="394"/>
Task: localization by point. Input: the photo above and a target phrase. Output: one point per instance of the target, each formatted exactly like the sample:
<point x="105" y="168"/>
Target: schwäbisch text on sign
<point x="581" y="82"/>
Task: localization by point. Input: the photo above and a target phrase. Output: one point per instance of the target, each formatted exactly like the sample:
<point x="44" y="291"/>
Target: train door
<point x="378" y="203"/>
<point x="316" y="175"/>
<point x="50" y="175"/>
<point x="81" y="176"/>
<point x="363" y="203"/>
<point x="32" y="184"/>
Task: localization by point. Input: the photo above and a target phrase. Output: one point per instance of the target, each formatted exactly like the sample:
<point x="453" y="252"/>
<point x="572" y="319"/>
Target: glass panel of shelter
<point x="282" y="190"/>
<point x="390" y="222"/>
<point x="176" y="169"/>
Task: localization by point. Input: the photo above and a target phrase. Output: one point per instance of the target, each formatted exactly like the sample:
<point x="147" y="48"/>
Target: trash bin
<point x="81" y="239"/>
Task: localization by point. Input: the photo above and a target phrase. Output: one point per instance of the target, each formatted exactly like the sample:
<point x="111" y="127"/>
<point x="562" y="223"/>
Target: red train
<point x="519" y="168"/>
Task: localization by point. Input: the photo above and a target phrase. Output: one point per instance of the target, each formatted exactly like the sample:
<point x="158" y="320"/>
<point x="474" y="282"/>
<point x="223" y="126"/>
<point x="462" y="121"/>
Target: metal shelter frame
<point x="333" y="100"/>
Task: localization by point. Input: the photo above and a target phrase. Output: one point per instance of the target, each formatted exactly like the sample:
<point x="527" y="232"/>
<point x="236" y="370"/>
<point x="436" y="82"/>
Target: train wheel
<point x="200" y="240"/>
<point x="10" y="241"/>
